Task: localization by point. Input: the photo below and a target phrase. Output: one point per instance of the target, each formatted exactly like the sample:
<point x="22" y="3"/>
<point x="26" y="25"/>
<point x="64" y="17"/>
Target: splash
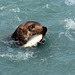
<point x="70" y="27"/>
<point x="70" y="2"/>
<point x="18" y="56"/>
<point x="70" y="24"/>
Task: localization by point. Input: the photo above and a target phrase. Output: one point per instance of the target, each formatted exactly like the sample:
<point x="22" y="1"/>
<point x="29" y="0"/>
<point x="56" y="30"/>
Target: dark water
<point x="57" y="55"/>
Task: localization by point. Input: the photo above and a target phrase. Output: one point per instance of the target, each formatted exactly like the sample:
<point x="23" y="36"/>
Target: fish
<point x="33" y="40"/>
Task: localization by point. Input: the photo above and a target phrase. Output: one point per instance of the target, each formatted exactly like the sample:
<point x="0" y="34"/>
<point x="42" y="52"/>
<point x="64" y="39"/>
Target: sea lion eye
<point x="32" y="26"/>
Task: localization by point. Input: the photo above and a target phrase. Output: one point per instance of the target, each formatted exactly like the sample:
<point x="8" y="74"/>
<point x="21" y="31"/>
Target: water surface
<point x="57" y="55"/>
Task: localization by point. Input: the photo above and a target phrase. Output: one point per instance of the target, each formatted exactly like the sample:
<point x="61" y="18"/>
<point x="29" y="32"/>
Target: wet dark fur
<point x="25" y="30"/>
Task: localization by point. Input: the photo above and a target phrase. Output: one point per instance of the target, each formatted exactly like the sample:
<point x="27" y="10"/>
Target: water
<point x="57" y="55"/>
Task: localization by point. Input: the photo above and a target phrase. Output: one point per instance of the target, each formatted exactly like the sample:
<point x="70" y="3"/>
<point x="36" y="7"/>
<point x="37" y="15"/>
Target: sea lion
<point x="28" y="29"/>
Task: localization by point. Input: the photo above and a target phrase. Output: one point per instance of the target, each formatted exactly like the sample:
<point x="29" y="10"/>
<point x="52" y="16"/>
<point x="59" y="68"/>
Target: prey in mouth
<point x="29" y="34"/>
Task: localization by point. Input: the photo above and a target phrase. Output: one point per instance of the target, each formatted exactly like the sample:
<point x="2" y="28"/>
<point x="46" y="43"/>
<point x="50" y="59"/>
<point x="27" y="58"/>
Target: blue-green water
<point x="57" y="55"/>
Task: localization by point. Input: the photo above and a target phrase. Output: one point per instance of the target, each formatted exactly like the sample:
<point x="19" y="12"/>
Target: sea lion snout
<point x="44" y="30"/>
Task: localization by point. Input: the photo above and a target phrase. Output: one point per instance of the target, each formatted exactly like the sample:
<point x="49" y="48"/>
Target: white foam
<point x="67" y="33"/>
<point x="70" y="2"/>
<point x="70" y="24"/>
<point x="18" y="56"/>
<point x="46" y="6"/>
<point x="15" y="10"/>
<point x="61" y="33"/>
<point x="1" y="8"/>
<point x="18" y="18"/>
